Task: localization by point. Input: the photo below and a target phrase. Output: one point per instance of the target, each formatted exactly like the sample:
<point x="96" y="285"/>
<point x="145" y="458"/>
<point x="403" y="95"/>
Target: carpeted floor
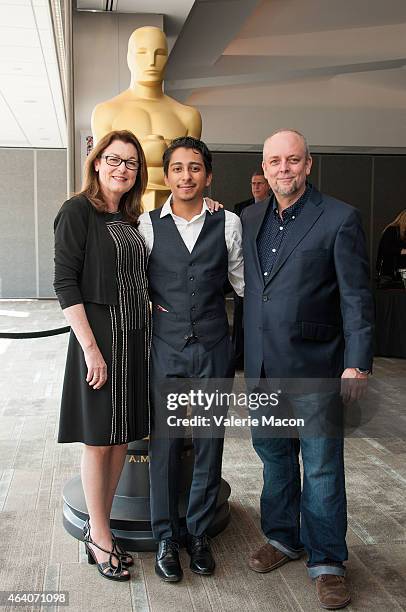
<point x="37" y="554"/>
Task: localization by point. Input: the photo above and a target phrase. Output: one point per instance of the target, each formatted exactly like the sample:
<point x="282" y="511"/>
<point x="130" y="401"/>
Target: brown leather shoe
<point x="267" y="558"/>
<point x="332" y="592"/>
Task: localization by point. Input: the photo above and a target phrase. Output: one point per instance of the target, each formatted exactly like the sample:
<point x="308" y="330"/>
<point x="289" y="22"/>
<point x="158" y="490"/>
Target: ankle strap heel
<point x="106" y="569"/>
<point x="90" y="558"/>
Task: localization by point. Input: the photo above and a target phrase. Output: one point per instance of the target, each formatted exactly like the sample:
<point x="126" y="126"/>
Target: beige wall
<point x="32" y="189"/>
<point x="100" y="68"/>
<point x="324" y="127"/>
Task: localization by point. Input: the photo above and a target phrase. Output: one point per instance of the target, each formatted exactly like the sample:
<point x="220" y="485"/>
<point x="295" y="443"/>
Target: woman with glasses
<point x="101" y="284"/>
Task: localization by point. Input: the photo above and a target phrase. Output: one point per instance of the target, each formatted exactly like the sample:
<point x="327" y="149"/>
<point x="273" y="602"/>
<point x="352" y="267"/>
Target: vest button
<point x="192" y="278"/>
<point x="193" y="293"/>
<point x="193" y="308"/>
<point x="265" y="298"/>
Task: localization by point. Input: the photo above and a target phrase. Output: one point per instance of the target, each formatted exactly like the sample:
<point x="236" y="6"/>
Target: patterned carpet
<point x="37" y="554"/>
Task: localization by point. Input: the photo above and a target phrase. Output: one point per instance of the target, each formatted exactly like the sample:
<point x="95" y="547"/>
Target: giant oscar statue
<point x="143" y="108"/>
<point x="155" y="119"/>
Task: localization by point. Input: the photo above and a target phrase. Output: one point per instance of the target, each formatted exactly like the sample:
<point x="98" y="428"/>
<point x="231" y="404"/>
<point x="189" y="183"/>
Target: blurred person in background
<point x="392" y="249"/>
<point x="260" y="191"/>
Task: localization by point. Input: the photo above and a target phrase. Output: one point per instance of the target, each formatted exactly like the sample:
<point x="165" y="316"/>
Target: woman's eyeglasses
<point x="113" y="160"/>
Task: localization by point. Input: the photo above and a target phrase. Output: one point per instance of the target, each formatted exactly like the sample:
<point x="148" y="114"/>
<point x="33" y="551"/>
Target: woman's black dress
<point x="119" y="411"/>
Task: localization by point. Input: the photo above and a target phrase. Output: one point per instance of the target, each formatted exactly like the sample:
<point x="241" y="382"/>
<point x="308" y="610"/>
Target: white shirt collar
<point x="167" y="209"/>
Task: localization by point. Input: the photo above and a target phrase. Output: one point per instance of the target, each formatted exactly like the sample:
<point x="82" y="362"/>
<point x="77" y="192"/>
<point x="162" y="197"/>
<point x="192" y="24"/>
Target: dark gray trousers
<point x="166" y="445"/>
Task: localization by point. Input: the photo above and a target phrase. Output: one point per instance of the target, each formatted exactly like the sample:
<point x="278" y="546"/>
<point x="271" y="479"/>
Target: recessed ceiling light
<point x="30" y="101"/>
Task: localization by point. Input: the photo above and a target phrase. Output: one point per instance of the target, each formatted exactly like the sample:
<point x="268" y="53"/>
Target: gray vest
<point x="189" y="286"/>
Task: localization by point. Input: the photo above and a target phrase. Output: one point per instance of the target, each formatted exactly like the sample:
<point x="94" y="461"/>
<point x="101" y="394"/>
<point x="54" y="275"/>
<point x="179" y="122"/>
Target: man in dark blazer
<point x="308" y="313"/>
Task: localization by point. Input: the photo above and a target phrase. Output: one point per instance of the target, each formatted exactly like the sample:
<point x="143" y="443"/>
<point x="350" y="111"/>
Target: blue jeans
<point x="315" y="518"/>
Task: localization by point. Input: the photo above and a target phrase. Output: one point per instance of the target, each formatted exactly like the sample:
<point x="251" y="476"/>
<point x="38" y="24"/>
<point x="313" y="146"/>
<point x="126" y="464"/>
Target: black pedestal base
<point x="130" y="516"/>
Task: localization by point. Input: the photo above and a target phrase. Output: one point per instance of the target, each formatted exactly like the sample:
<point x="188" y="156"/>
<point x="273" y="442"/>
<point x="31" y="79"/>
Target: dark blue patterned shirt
<point x="275" y="229"/>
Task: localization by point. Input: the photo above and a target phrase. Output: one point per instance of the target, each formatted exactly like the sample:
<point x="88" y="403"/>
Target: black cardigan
<point x="85" y="258"/>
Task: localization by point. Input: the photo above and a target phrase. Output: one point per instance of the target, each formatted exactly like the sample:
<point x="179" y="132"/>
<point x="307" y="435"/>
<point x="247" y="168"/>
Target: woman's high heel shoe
<point x="106" y="569"/>
<point x="86" y="529"/>
<point x="125" y="557"/>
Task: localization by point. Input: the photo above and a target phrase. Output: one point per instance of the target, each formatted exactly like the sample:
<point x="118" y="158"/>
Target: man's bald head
<point x="286" y="163"/>
<point x="293" y="132"/>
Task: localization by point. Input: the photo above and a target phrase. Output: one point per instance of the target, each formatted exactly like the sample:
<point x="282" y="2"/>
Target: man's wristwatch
<point x="361" y="371"/>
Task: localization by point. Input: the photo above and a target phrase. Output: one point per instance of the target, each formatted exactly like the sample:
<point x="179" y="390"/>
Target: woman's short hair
<point x="130" y="203"/>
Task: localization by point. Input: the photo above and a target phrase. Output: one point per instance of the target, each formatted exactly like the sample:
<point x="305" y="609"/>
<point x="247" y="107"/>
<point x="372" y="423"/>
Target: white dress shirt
<point x="190" y="230"/>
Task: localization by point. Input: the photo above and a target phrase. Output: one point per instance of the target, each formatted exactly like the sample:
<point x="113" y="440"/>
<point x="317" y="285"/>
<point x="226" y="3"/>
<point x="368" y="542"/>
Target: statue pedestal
<point x="130" y="515"/>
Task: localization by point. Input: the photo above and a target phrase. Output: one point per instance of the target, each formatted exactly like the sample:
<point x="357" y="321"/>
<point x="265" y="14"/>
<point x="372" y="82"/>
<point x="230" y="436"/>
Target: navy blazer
<point x="313" y="315"/>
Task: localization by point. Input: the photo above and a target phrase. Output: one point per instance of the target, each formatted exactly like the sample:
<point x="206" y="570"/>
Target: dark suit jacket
<point x="313" y="315"/>
<point x="238" y="208"/>
<point x="241" y="206"/>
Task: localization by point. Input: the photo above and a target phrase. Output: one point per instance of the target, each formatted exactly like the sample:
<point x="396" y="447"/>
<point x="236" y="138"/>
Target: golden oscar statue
<point x="143" y="108"/>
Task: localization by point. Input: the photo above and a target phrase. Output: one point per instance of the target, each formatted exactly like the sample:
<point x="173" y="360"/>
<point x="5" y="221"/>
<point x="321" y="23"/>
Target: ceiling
<point x="336" y="70"/>
<point x="31" y="103"/>
<point x="32" y="112"/>
<point x="175" y="11"/>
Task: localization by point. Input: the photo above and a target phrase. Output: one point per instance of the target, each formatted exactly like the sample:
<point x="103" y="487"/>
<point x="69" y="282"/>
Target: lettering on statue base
<point x="145" y="458"/>
<point x="138" y="459"/>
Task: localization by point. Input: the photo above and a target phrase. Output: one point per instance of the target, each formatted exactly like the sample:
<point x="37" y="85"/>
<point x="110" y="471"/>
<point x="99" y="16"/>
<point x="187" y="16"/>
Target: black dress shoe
<point x="201" y="559"/>
<point x="167" y="564"/>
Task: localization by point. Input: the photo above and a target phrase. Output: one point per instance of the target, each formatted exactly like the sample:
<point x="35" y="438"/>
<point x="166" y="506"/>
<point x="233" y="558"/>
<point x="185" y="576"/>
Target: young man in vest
<point x="192" y="252"/>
